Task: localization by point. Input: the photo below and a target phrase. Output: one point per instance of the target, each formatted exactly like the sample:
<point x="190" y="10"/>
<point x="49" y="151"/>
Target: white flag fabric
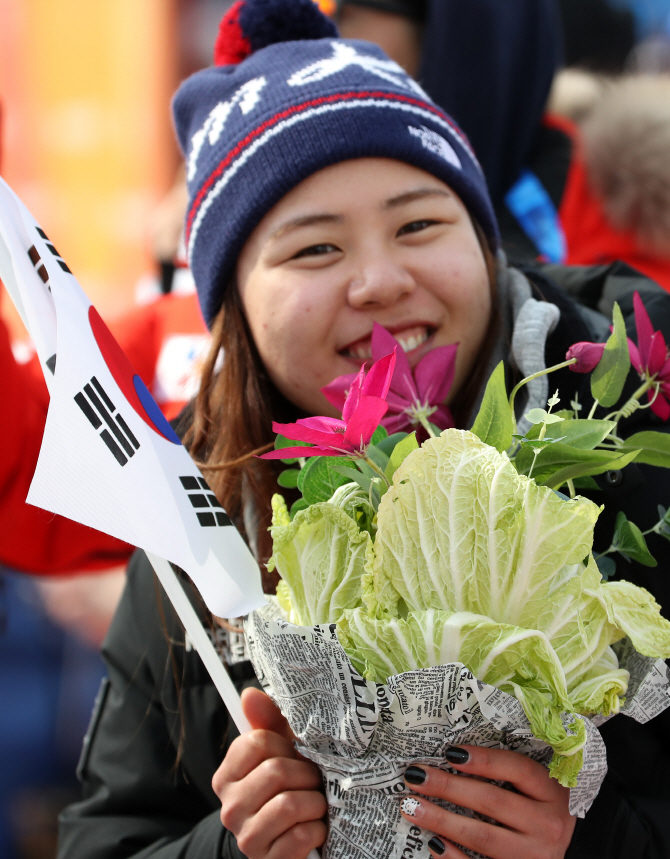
<point x="109" y="458"/>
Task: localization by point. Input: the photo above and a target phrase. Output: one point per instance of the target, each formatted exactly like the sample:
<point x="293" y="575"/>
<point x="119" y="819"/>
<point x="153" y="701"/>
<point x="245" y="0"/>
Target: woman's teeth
<point x="363" y="351"/>
<point x="413" y="342"/>
<point x="409" y="342"/>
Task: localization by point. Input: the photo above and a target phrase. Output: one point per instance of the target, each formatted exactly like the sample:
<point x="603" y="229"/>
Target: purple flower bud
<point x="587" y="354"/>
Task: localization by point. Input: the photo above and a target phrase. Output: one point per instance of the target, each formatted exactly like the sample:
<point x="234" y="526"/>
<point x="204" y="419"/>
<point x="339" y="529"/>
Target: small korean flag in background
<point x="109" y="459"/>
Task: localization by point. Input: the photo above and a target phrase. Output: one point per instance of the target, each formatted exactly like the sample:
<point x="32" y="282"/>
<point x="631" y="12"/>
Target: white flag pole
<point x="201" y="641"/>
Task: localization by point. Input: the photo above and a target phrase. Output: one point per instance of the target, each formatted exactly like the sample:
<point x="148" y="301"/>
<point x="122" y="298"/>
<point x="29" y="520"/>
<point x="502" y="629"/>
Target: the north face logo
<point x="436" y="143"/>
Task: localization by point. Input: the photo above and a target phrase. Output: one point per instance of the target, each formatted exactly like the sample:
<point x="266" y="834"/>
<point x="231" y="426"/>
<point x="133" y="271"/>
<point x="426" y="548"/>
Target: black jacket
<point x="159" y="704"/>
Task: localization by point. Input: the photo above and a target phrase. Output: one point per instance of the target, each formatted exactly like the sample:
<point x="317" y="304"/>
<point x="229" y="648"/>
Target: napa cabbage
<point x="472" y="562"/>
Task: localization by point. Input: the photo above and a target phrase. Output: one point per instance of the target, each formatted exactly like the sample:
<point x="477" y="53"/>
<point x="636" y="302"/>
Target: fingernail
<point x="437" y="845"/>
<point x="456" y="755"/>
<point x="412" y="807"/>
<point x="415" y="775"/>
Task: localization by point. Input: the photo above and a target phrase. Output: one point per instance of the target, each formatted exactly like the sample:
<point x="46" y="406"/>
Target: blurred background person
<point x="617" y="201"/>
<point x="598" y="34"/>
<point x="490" y="65"/>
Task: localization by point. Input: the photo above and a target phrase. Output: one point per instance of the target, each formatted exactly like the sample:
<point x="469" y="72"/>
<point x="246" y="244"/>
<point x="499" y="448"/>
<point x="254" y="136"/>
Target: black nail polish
<point x="415" y="775"/>
<point x="437" y="845"/>
<point x="456" y="755"/>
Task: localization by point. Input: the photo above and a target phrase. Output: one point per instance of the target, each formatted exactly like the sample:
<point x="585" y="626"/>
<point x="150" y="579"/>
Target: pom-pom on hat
<point x="286" y="99"/>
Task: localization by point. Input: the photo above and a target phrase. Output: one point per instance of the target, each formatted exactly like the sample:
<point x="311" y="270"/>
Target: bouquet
<point x="448" y="592"/>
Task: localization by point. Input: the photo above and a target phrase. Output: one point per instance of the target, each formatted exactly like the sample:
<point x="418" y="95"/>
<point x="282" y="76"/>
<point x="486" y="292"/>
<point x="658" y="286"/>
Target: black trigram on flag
<point x="202" y="498"/>
<point x="36" y="259"/>
<point x="99" y="409"/>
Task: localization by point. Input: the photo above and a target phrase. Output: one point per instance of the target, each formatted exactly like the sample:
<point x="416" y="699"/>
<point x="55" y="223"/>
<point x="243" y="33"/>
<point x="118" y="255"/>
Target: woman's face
<point x="364" y="241"/>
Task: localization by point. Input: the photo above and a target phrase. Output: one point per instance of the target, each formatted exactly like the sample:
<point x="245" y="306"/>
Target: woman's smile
<point x="324" y="265"/>
<point x="410" y="336"/>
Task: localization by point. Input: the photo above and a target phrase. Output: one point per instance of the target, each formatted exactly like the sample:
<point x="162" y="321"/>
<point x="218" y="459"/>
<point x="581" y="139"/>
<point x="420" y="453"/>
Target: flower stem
<point x="536" y="453"/>
<point x="632" y="404"/>
<point x="656" y="529"/>
<point x="373" y="465"/>
<point x="425" y="423"/>
<point x="537" y="376"/>
<point x="593" y="409"/>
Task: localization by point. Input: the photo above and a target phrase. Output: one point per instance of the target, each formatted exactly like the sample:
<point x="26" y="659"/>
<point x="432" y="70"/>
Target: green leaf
<point x="583" y="434"/>
<point x="610" y="375"/>
<point x="318" y="480"/>
<point x="585" y="483"/>
<point x="400" y="453"/>
<point x="536" y="443"/>
<point x="378" y="457"/>
<point x="586" y="468"/>
<point x="663" y="523"/>
<point x="557" y="456"/>
<point x="297" y="506"/>
<point x="369" y="481"/>
<point x="495" y="423"/>
<point x="607" y="566"/>
<point x="282" y="442"/>
<point x="379" y="435"/>
<point x="654" y="447"/>
<point x="629" y="540"/>
<point x="354" y="476"/>
<point x="289" y="478"/>
<point x="536" y="416"/>
<point x="561" y="462"/>
<point x="388" y="444"/>
<point x="320" y="557"/>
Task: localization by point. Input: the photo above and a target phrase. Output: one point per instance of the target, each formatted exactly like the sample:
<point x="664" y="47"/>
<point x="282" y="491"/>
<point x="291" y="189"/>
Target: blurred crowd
<point x="568" y="109"/>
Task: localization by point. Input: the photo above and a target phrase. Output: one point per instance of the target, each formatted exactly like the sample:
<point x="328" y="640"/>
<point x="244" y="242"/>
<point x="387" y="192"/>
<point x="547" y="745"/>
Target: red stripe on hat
<point x="278" y="117"/>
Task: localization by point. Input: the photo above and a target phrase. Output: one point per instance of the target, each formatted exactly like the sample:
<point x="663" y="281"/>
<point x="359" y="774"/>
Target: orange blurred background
<point x="85" y="137"/>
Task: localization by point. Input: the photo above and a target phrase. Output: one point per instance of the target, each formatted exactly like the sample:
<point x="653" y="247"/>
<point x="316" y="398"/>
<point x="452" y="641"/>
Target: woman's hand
<point x="270" y="796"/>
<point x="534" y="822"/>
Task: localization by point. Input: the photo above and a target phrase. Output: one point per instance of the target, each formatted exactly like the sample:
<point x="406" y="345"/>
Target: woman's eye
<point x="314" y="250"/>
<point x="415" y="227"/>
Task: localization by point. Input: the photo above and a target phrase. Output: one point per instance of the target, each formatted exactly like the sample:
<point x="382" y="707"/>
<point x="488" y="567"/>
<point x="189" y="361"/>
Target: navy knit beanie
<point x="286" y="98"/>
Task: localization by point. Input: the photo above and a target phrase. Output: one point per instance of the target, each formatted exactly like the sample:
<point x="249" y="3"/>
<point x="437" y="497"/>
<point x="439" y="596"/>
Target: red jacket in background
<point x="164" y="341"/>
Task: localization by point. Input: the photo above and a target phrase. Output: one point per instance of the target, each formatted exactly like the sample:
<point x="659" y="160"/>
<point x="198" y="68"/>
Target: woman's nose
<point x="380" y="282"/>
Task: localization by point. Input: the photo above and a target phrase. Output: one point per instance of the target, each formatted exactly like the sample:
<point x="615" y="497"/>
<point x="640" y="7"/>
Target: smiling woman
<point x="402" y="252"/>
<point x="327" y="195"/>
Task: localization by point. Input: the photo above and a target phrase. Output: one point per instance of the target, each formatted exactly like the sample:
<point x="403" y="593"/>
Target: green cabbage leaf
<point x="321" y="557"/>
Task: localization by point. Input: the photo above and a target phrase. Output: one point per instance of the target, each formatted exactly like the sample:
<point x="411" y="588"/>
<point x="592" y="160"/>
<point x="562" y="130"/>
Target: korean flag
<point x="109" y="459"/>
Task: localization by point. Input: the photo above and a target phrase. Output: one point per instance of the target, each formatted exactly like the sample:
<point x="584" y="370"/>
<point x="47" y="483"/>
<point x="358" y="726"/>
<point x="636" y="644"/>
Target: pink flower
<point x="651" y="359"/>
<point x="588" y="356"/>
<point x="363" y="409"/>
<point x="413" y="395"/>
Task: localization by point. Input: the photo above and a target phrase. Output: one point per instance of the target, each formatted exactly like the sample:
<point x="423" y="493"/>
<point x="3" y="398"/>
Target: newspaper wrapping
<point x="363" y="735"/>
